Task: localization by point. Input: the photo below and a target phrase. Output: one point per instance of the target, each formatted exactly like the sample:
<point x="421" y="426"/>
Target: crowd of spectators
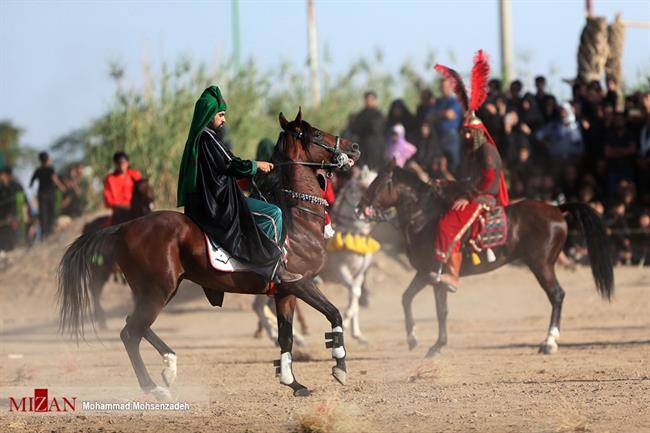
<point x="593" y="148"/>
<point x="26" y="221"/>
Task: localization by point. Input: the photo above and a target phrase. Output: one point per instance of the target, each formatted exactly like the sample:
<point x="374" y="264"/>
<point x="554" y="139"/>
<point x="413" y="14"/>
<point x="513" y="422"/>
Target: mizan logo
<point x="42" y="403"/>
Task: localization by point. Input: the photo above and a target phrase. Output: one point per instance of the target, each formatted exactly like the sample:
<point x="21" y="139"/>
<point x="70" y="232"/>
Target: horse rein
<point x="340" y="160"/>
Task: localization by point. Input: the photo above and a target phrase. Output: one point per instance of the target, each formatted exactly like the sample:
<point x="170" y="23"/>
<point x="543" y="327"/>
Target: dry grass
<point x="568" y="418"/>
<point x="426" y="370"/>
<point x="331" y="416"/>
<point x="23" y="375"/>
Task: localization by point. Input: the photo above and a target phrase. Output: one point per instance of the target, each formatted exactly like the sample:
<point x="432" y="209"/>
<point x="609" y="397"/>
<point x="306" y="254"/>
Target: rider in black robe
<point x="220" y="208"/>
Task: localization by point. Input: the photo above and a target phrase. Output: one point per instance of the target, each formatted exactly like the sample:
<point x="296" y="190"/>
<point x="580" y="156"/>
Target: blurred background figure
<point x="48" y="182"/>
<point x="446" y="116"/>
<point x="368" y="127"/>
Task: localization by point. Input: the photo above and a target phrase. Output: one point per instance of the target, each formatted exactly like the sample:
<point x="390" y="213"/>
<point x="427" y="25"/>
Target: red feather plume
<point x="480" y="75"/>
<point x="456" y="83"/>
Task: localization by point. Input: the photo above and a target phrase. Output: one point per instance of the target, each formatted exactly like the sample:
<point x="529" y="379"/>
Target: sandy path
<point x="489" y="378"/>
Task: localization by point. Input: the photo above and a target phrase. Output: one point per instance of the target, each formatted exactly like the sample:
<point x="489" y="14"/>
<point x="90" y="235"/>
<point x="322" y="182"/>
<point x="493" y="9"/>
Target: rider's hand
<point x="460" y="204"/>
<point x="264" y="166"/>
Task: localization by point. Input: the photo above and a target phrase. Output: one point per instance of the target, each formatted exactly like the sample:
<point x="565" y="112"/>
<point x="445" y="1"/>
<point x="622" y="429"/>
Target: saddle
<point x="489" y="230"/>
<point x="494" y="228"/>
<point x="221" y="260"/>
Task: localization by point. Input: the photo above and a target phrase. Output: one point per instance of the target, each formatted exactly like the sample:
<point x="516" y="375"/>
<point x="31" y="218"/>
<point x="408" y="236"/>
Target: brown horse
<point x="141" y="204"/>
<point x="158" y="251"/>
<point x="536" y="234"/>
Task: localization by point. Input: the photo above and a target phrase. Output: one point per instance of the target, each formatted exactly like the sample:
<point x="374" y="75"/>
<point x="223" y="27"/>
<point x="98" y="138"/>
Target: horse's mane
<point x="271" y="184"/>
<point x="411" y="179"/>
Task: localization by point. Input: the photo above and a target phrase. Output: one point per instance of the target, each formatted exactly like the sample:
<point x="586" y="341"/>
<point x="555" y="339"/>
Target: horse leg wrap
<point x="334" y="340"/>
<point x="283" y="368"/>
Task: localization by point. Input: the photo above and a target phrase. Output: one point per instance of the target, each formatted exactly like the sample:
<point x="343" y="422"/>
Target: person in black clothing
<point x="73" y="204"/>
<point x="48" y="181"/>
<point x="8" y="211"/>
<point x="398" y="113"/>
<point x="427" y="101"/>
<point x="368" y="126"/>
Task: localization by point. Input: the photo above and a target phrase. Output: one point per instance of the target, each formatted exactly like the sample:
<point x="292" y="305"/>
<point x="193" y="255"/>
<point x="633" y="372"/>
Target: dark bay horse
<point x="141" y="205"/>
<point x="536" y="235"/>
<point x="156" y="252"/>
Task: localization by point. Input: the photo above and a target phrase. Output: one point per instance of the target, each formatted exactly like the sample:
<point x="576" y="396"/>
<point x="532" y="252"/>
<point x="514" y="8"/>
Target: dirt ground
<point x="490" y="378"/>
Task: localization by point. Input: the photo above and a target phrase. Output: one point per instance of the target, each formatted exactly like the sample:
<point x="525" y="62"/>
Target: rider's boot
<point x="287" y="277"/>
<point x="451" y="279"/>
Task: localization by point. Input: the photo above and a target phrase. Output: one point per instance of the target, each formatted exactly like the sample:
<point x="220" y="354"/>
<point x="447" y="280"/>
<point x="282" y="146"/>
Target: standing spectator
<point x="368" y="127"/>
<point x="118" y="187"/>
<point x="543" y="99"/>
<point x="643" y="159"/>
<point x="519" y="173"/>
<point x="447" y="117"/>
<point x="427" y="101"/>
<point x="398" y="147"/>
<point x="399" y="114"/>
<point x="620" y="233"/>
<point x="8" y="213"/>
<point x="620" y="150"/>
<point x="48" y="182"/>
<point x="73" y="204"/>
<point x="563" y="137"/>
<point x="513" y="99"/>
<point x="641" y="240"/>
<point x="427" y="147"/>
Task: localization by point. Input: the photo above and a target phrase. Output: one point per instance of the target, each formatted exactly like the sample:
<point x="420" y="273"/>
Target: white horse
<point x="344" y="266"/>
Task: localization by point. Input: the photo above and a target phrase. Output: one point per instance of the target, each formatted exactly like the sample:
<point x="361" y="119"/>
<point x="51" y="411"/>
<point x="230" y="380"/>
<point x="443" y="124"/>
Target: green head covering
<point x="209" y="104"/>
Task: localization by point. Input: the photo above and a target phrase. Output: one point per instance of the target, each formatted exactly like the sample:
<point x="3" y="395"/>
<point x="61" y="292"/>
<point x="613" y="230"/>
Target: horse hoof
<point x="169" y="369"/>
<point x="412" y="341"/>
<point x="548" y="349"/>
<point x="433" y="352"/>
<point x="340" y="375"/>
<point x="302" y="392"/>
<point x="161" y="394"/>
<point x="361" y="339"/>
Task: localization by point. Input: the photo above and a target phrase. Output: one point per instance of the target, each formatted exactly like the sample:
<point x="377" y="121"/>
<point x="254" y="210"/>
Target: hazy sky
<point x="54" y="55"/>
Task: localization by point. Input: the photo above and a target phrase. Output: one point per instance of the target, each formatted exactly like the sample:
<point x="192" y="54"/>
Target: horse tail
<point x="598" y="247"/>
<point x="75" y="278"/>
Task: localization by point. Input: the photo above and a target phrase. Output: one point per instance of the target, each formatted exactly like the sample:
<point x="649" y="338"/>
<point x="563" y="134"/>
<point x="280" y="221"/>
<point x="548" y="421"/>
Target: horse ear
<point x="283" y="121"/>
<point x="298" y="118"/>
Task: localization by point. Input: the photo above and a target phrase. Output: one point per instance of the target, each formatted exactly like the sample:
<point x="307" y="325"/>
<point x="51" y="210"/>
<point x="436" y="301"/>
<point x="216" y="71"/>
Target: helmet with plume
<point x="480" y="75"/>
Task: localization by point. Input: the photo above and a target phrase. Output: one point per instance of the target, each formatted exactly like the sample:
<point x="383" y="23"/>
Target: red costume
<point x="328" y="194"/>
<point x="486" y="185"/>
<point x="118" y="188"/>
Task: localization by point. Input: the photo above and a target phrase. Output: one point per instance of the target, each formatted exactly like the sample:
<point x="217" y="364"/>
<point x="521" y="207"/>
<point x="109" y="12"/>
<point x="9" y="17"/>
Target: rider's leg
<point x="451" y="228"/>
<point x="268" y="218"/>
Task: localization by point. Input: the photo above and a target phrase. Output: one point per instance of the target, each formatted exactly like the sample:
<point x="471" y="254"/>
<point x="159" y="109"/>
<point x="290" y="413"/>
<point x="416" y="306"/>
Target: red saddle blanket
<point x="490" y="229"/>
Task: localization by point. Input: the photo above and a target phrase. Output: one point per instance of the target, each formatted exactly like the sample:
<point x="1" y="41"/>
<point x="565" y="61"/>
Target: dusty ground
<point x="489" y="379"/>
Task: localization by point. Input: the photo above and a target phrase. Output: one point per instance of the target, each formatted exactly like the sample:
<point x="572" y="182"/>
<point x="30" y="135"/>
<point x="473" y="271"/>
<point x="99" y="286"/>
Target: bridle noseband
<point x="340" y="160"/>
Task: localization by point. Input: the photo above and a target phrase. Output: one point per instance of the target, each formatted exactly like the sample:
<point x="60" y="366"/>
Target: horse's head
<point x="143" y="196"/>
<point x="304" y="143"/>
<point x="380" y="196"/>
<point x="401" y="189"/>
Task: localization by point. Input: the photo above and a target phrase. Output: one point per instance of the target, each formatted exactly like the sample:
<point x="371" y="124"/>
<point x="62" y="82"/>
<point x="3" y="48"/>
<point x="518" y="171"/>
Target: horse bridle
<point x="377" y="214"/>
<point x="340" y="160"/>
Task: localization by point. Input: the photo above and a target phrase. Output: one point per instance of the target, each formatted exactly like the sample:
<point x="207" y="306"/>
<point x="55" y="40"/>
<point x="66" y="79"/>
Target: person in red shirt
<point x="118" y="188"/>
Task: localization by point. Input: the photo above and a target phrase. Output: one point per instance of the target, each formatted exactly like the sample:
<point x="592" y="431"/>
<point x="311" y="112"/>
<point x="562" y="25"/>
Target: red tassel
<point x="480" y="75"/>
<point x="456" y="83"/>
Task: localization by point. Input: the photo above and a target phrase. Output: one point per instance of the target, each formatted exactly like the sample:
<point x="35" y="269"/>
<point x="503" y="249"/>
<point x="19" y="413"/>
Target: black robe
<point x="219" y="207"/>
